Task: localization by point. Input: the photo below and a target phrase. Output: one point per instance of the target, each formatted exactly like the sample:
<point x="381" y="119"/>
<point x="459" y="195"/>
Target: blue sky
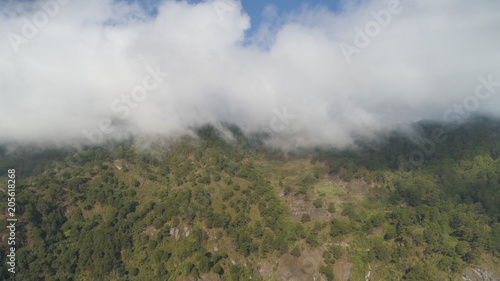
<point x="254" y="8"/>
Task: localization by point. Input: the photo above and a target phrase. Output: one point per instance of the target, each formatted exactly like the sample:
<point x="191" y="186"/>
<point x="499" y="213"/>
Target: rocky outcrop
<point x="179" y="232"/>
<point x="299" y="207"/>
<point x="477" y="274"/>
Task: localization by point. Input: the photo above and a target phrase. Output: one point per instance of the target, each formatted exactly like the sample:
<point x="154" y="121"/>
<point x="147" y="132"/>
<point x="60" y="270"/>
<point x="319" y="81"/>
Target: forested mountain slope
<point x="210" y="210"/>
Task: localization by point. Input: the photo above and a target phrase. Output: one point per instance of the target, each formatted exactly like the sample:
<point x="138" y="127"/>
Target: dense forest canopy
<point x="205" y="207"/>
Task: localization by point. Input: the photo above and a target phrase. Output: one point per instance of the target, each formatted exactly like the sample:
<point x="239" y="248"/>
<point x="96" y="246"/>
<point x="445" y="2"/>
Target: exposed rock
<point x="367" y="275"/>
<point x="304" y="267"/>
<point x="174" y="232"/>
<point x="477" y="274"/>
<point x="298" y="207"/>
<point x="177" y="233"/>
<point x="343" y="269"/>
<point x="344" y="245"/>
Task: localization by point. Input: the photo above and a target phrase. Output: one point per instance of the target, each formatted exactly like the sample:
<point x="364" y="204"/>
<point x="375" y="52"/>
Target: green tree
<point x="305" y="218"/>
<point x="327" y="271"/>
<point x="312" y="239"/>
<point x="218" y="269"/>
<point x="339" y="227"/>
<point x="318" y="203"/>
<point x="295" y="251"/>
<point x="331" y="208"/>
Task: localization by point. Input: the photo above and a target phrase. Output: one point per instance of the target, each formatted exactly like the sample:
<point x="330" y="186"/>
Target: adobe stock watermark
<point x="222" y="7"/>
<point x="123" y="105"/>
<point x="278" y="123"/>
<point x="30" y="29"/>
<point x="457" y="114"/>
<point x="363" y="37"/>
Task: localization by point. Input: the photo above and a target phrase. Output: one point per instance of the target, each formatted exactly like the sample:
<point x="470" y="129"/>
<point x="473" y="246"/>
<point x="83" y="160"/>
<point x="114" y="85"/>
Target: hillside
<point x="205" y="209"/>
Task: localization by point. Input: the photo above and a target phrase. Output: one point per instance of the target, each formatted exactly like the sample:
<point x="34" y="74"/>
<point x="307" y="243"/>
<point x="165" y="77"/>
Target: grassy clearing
<point x="330" y="191"/>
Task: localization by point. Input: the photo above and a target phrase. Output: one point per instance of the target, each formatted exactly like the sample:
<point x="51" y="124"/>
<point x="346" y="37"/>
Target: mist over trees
<point x="125" y="212"/>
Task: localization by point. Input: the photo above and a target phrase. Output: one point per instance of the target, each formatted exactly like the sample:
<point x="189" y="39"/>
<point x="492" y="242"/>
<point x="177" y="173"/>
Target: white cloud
<point x="89" y="54"/>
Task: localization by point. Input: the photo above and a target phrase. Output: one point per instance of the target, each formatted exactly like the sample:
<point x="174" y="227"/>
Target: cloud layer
<point x="82" y="70"/>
